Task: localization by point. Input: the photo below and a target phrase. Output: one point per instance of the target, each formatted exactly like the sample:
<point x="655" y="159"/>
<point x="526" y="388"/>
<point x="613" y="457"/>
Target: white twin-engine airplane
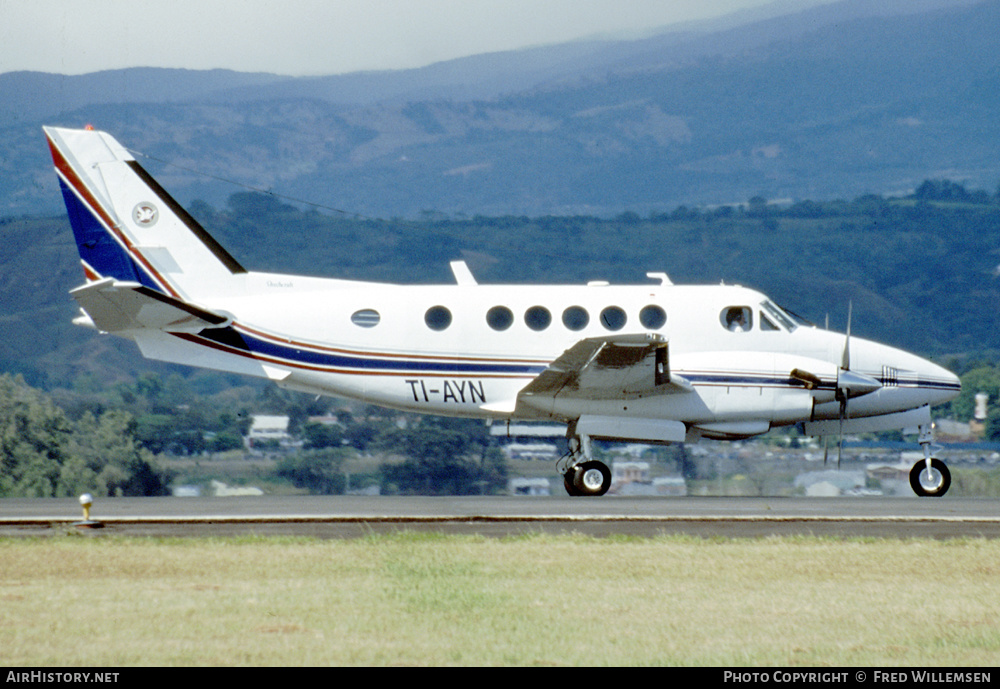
<point x="659" y="362"/>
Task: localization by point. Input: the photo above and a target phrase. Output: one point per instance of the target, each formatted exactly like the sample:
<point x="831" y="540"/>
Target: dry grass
<point x="435" y="600"/>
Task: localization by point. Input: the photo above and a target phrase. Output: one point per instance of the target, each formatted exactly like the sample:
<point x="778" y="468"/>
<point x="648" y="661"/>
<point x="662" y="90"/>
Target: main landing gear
<point x="929" y="477"/>
<point x="583" y="475"/>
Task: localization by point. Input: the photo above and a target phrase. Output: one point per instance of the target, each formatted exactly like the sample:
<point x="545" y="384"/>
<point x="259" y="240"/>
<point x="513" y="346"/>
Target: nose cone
<point x="909" y="380"/>
<point x="940" y="380"/>
<point x="932" y="383"/>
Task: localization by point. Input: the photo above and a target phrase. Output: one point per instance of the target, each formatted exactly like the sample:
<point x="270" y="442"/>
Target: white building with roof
<point x="265" y="428"/>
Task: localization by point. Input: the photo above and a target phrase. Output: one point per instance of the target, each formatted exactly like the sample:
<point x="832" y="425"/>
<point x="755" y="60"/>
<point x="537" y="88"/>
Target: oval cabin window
<point x="437" y="318"/>
<point x="537" y="318"/>
<point x="652" y="317"/>
<point x="499" y="318"/>
<point x="613" y="318"/>
<point x="366" y="318"/>
<point x="576" y="318"/>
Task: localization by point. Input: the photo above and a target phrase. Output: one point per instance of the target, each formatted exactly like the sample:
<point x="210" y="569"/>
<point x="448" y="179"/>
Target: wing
<point x="614" y="367"/>
<point x="114" y="306"/>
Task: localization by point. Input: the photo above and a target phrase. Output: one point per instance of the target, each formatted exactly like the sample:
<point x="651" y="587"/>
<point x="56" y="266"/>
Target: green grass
<point x="417" y="599"/>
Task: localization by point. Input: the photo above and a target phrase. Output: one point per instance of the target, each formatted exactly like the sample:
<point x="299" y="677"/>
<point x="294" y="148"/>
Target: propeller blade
<point x="840" y="443"/>
<point x="845" y="362"/>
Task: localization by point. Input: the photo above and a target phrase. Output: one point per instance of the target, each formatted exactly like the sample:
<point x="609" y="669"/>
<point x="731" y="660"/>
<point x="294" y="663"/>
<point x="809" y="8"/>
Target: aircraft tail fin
<point x="127" y="227"/>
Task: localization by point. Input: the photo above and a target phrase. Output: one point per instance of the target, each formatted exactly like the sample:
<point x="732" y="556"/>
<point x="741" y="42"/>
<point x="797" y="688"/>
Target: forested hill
<point x="921" y="272"/>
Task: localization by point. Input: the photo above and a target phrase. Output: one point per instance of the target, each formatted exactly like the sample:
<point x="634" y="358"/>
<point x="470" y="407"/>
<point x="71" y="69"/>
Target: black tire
<point x="568" y="480"/>
<point x="925" y="489"/>
<point x="592" y="478"/>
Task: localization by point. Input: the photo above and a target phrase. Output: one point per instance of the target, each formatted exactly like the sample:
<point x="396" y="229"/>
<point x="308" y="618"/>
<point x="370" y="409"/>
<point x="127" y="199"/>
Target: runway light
<point x="86" y="500"/>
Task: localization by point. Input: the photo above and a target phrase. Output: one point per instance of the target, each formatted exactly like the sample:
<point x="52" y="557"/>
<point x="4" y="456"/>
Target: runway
<point x="357" y="516"/>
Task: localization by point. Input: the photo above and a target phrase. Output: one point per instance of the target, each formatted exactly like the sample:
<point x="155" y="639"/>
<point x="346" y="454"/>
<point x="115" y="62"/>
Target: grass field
<point x="417" y="599"/>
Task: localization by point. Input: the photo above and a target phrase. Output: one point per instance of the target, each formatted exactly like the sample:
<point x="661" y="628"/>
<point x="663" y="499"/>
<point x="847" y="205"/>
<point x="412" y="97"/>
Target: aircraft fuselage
<point x="652" y="362"/>
<point x="379" y="343"/>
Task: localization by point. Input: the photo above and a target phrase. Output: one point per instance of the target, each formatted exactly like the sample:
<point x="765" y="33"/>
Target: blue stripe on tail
<point x="97" y="247"/>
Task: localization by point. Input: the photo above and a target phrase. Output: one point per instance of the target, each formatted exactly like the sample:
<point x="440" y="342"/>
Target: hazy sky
<point x="310" y="36"/>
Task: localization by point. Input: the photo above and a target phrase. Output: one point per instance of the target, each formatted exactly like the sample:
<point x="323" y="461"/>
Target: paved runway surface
<point x="355" y="516"/>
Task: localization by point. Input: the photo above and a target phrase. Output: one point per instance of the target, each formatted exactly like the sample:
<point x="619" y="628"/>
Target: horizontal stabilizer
<point x="115" y="306"/>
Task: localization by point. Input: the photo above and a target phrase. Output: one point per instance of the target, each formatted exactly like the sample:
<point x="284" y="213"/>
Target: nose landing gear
<point x="930" y="476"/>
<point x="930" y="479"/>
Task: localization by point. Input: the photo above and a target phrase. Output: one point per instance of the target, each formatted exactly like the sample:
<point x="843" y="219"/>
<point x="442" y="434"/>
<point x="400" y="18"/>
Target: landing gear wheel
<point x="935" y="484"/>
<point x="568" y="480"/>
<point x="591" y="478"/>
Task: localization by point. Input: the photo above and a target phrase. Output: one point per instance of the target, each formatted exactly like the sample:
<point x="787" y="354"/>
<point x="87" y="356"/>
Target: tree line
<point x="45" y="453"/>
<point x="115" y="442"/>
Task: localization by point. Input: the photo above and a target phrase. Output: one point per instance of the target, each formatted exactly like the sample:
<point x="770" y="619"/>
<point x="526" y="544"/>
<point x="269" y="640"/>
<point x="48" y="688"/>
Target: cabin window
<point x="613" y="318"/>
<point x="652" y="317"/>
<point x="537" y="318"/>
<point x="576" y="318"/>
<point x="366" y="318"/>
<point x="437" y="318"/>
<point x="737" y="319"/>
<point x="499" y="318"/>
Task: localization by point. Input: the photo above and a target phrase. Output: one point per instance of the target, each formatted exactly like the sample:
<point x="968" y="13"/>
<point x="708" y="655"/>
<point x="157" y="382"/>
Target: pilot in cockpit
<point x="737" y="320"/>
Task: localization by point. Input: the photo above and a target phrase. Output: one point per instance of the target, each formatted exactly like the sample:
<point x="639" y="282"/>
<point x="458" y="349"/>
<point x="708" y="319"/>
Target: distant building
<point x="946" y="429"/>
<point x="894" y="479"/>
<point x="530" y="451"/>
<point x="221" y="490"/>
<point x="629" y="472"/>
<point x="635" y="478"/>
<point x="982" y="406"/>
<point x="822" y="489"/>
<point x="527" y="430"/>
<point x="977" y="426"/>
<point x="326" y="420"/>
<point x="634" y="450"/>
<point x="268" y="428"/>
<point x="830" y="483"/>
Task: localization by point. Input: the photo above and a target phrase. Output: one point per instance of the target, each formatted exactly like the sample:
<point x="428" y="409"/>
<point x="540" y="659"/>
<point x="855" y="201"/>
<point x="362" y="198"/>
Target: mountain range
<point x="847" y="98"/>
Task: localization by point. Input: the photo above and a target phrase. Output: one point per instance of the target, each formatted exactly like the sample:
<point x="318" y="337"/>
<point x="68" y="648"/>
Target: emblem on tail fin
<point x="145" y="214"/>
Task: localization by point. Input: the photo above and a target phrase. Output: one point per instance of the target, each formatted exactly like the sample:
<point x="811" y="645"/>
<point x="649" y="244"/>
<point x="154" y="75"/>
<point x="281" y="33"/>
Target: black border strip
<point x="213" y="318"/>
<point x="200" y="232"/>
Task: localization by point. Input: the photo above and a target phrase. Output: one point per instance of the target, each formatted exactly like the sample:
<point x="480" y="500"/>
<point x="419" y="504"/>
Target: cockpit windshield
<point x="786" y="321"/>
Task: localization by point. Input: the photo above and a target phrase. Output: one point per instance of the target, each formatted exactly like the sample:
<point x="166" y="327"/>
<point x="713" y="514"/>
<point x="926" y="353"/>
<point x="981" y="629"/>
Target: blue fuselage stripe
<point x="349" y="362"/>
<point x="346" y="362"/>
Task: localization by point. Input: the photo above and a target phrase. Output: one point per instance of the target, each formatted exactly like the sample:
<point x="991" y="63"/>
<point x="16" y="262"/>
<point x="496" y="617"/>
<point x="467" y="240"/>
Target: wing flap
<point x="115" y="306"/>
<point x="610" y="367"/>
